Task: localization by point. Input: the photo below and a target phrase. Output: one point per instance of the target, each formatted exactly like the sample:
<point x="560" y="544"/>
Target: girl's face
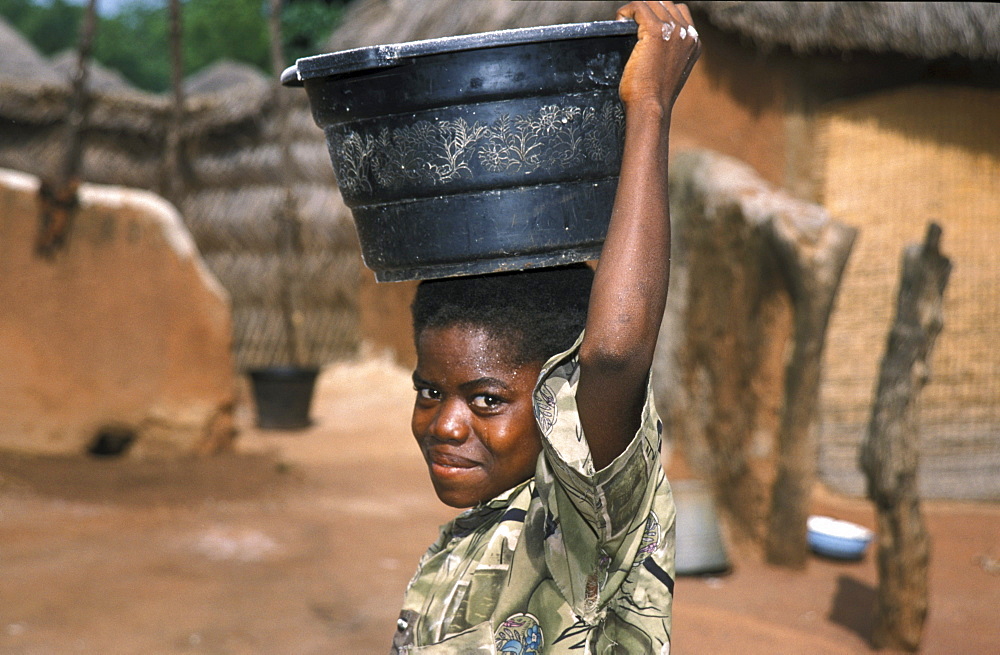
<point x="473" y="416"/>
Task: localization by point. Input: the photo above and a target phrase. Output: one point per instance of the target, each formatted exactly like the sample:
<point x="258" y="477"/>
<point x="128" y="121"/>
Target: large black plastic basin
<point x="479" y="153"/>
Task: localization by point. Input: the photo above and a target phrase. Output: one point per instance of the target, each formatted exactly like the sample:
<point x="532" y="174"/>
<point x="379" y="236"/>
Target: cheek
<point x="418" y="421"/>
<point x="518" y="444"/>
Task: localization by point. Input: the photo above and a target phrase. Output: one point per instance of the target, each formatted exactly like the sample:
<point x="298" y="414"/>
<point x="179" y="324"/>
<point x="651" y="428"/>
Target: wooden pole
<point x="173" y="178"/>
<point x="57" y="195"/>
<point x="813" y="264"/>
<point x="889" y="453"/>
<point x="288" y="214"/>
<point x="757" y="271"/>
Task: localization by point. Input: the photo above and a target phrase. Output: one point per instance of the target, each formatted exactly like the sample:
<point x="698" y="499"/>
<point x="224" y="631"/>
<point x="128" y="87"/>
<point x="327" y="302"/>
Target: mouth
<point x="448" y="464"/>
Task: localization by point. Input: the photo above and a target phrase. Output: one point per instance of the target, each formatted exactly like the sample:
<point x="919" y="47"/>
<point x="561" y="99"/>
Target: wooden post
<point x="288" y="213"/>
<point x="173" y="177"/>
<point x="813" y="264"/>
<point x="756" y="270"/>
<point x="57" y="195"/>
<point x="889" y="452"/>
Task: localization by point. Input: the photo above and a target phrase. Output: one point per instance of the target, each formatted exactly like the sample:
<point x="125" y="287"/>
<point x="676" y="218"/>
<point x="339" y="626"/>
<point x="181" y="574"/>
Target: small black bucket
<point x="283" y="396"/>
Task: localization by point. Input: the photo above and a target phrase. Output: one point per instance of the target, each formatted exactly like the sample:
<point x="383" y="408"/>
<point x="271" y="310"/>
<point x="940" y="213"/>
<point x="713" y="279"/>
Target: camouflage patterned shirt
<point x="571" y="561"/>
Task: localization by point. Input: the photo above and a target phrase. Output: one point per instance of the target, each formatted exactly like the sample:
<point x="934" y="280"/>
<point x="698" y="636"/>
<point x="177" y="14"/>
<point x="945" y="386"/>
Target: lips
<point x="450" y="460"/>
<point x="445" y="465"/>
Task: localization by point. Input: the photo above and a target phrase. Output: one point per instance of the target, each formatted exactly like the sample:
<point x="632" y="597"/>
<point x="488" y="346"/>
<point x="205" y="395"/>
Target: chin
<point x="457" y="504"/>
<point x="459" y="496"/>
<point x="456" y="498"/>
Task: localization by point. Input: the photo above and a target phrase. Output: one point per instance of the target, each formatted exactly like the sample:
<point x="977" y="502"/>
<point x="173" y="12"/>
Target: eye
<point x="427" y="393"/>
<point x="486" y="401"/>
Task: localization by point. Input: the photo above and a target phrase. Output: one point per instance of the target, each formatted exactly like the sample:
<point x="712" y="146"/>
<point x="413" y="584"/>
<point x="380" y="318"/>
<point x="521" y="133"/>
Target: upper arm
<point x="630" y="286"/>
<point x="610" y="398"/>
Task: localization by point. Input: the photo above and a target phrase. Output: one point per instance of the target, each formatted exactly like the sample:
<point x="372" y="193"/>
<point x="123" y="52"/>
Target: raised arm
<point x="630" y="287"/>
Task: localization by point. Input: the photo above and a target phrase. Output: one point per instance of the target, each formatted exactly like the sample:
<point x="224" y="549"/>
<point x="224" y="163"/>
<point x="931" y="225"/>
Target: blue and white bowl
<point x="838" y="539"/>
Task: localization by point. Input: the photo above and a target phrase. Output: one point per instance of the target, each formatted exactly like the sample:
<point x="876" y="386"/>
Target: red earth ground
<point x="300" y="543"/>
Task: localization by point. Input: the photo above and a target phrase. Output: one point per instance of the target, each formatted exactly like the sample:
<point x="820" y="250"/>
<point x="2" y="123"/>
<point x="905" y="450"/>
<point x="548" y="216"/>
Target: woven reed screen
<point x="893" y="163"/>
<point x="233" y="213"/>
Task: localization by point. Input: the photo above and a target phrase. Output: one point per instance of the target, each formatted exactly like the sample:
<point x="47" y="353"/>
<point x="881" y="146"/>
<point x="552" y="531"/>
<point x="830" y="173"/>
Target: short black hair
<point x="536" y="313"/>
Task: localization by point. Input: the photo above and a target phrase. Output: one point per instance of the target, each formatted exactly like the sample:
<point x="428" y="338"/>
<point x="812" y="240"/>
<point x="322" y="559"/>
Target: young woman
<point x="534" y="410"/>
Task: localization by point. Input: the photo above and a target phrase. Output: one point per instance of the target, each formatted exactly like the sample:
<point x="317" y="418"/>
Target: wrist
<point x="649" y="120"/>
<point x="644" y="109"/>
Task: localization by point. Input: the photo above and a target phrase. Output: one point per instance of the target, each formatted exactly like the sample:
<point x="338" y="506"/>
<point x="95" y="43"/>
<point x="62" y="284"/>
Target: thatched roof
<point x="227" y="93"/>
<point x="927" y="30"/>
<point x="226" y="75"/>
<point x="373" y="22"/>
<point x="21" y="60"/>
<point x="99" y="78"/>
<point x="35" y="90"/>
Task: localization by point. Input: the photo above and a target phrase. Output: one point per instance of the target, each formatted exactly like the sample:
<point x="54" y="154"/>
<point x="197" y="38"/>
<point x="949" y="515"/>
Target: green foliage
<point x="134" y="43"/>
<point x="51" y="28"/>
<point x="135" y="40"/>
<point x="306" y="25"/>
<point x="225" y="29"/>
<point x="14" y="11"/>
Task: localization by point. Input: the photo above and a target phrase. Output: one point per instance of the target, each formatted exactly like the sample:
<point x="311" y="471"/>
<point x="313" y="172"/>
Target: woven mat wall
<point x="893" y="163"/>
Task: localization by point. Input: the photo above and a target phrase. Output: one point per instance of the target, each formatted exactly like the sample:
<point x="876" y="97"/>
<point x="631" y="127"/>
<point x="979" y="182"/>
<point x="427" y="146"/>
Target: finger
<point x="687" y="29"/>
<point x="686" y="23"/>
<point x="670" y="17"/>
<point x="643" y="14"/>
<point x="686" y="13"/>
<point x="660" y="9"/>
<point x="631" y="11"/>
<point x="672" y="13"/>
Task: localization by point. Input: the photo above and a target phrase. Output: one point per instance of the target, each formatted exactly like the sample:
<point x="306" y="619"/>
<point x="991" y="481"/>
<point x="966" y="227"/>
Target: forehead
<point x="466" y="351"/>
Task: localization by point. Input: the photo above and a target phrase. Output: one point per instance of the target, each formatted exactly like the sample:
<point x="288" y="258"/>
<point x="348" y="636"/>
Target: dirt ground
<point x="301" y="543"/>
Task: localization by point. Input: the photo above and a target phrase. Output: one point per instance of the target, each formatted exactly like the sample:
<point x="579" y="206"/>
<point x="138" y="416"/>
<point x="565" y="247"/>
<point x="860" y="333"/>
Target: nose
<point x="450" y="421"/>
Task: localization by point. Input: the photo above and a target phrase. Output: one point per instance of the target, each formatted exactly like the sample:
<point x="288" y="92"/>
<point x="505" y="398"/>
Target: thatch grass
<point x="927" y="30"/>
<point x="99" y="78"/>
<point x="894" y="162"/>
<point x="373" y="22"/>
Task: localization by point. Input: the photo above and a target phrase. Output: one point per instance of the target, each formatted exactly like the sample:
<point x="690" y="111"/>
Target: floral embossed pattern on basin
<point x="555" y="139"/>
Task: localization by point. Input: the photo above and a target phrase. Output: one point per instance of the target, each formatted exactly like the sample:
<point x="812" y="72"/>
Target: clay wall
<point x="122" y="334"/>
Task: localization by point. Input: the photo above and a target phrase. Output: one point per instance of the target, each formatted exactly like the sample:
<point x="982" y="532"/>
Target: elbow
<point x="610" y="360"/>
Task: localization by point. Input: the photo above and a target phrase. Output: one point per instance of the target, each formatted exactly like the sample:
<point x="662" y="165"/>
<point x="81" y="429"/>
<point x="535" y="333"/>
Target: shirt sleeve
<point x="594" y="520"/>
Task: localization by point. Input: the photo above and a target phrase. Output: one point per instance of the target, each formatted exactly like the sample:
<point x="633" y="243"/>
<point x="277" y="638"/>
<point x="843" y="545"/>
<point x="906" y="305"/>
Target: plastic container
<point x="479" y="153"/>
<point x="283" y="396"/>
<point x="700" y="549"/>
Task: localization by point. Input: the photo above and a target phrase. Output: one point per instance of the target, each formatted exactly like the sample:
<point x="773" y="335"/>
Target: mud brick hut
<point x="232" y="190"/>
<point x="883" y="113"/>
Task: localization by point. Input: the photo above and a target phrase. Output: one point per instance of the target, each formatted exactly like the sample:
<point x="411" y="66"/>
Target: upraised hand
<point x="667" y="49"/>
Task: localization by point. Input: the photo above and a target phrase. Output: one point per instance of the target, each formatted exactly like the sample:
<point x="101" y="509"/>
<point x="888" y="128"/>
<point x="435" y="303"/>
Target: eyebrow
<point x="485" y="381"/>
